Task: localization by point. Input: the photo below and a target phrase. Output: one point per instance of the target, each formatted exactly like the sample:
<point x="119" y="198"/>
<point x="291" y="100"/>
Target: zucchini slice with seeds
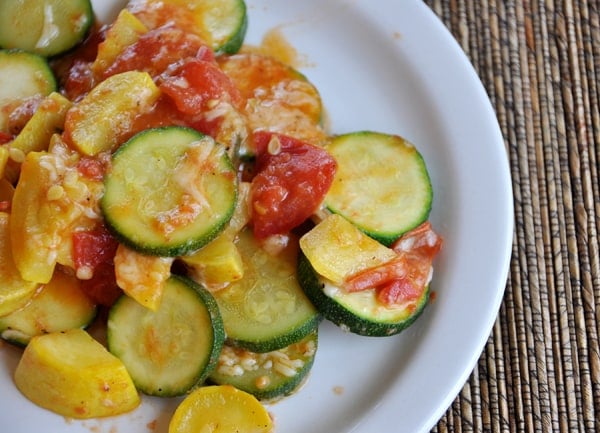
<point x="381" y="184"/>
<point x="169" y="351"/>
<point x="221" y="23"/>
<point x="266" y="310"/>
<point x="44" y="27"/>
<point x="270" y="375"/>
<point x="169" y="192"/>
<point x="359" y="312"/>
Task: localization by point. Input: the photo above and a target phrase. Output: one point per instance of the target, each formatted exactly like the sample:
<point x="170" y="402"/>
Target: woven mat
<point x="540" y="63"/>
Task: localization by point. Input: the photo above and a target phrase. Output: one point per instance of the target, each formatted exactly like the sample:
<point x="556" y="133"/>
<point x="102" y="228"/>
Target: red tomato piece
<point x="291" y="182"/>
<point x="75" y="70"/>
<point x="102" y="288"/>
<point x="93" y="251"/>
<point x="91" y="168"/>
<point x="421" y="240"/>
<point x="162" y="113"/>
<point x="405" y="277"/>
<point x="400" y="290"/>
<point x="207" y="125"/>
<point x="22" y="113"/>
<point x="195" y="82"/>
<point x="158" y="50"/>
<point x="79" y="80"/>
<point x="5" y="138"/>
<point x="377" y="276"/>
<point x="92" y="247"/>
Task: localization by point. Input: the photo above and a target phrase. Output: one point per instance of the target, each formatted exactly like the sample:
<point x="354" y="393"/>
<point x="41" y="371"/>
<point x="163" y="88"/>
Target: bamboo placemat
<point x="540" y="63"/>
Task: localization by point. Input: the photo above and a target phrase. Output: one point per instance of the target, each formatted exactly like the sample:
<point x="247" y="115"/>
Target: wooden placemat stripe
<point x="540" y="64"/>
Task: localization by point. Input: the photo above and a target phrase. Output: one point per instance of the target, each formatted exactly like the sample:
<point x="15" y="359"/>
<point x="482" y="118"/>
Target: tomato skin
<point x="291" y="181"/>
<point x="405" y="277"/>
<point x="159" y="49"/>
<point x="79" y="80"/>
<point x="422" y="241"/>
<point x="95" y="249"/>
<point x="203" y="81"/>
<point x="74" y="68"/>
<point x="102" y="288"/>
<point x="408" y="287"/>
<point x="22" y="113"/>
<point x="5" y="138"/>
<point x="91" y="168"/>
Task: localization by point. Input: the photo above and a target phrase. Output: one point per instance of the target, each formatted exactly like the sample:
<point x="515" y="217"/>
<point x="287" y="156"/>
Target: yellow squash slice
<point x="96" y="123"/>
<point x="15" y="292"/>
<point x="220" y="409"/>
<point x="73" y="375"/>
<point x="337" y="249"/>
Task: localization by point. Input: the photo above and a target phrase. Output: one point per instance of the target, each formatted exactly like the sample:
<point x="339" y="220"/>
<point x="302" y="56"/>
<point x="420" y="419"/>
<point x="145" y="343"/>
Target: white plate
<point x="391" y="68"/>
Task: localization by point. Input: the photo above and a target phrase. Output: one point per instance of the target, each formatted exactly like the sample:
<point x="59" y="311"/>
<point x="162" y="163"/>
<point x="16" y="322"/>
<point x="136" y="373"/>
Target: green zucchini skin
<point x="381" y="185"/>
<point x="45" y="27"/>
<point x="267" y="309"/>
<point x="263" y="377"/>
<point x="234" y="41"/>
<point x="22" y="75"/>
<point x="169" y="351"/>
<point x="222" y="24"/>
<point x="350" y="319"/>
<point x="145" y="186"/>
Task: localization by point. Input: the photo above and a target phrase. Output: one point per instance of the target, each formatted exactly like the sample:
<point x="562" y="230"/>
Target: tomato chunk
<point x="158" y="50"/>
<point x="195" y="82"/>
<point x="74" y="69"/>
<point x="91" y="168"/>
<point x="5" y="137"/>
<point x="291" y="182"/>
<point x="79" y="79"/>
<point x="93" y="254"/>
<point x="405" y="277"/>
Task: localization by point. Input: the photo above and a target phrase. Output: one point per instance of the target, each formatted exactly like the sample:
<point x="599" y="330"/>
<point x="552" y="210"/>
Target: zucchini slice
<point x="270" y="375"/>
<point x="59" y="306"/>
<point x="266" y="310"/>
<point x="359" y="312"/>
<point x="221" y="23"/>
<point x="168" y="351"/>
<point x="169" y="192"/>
<point x="381" y="184"/>
<point x="44" y="27"/>
<point x="22" y="75"/>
